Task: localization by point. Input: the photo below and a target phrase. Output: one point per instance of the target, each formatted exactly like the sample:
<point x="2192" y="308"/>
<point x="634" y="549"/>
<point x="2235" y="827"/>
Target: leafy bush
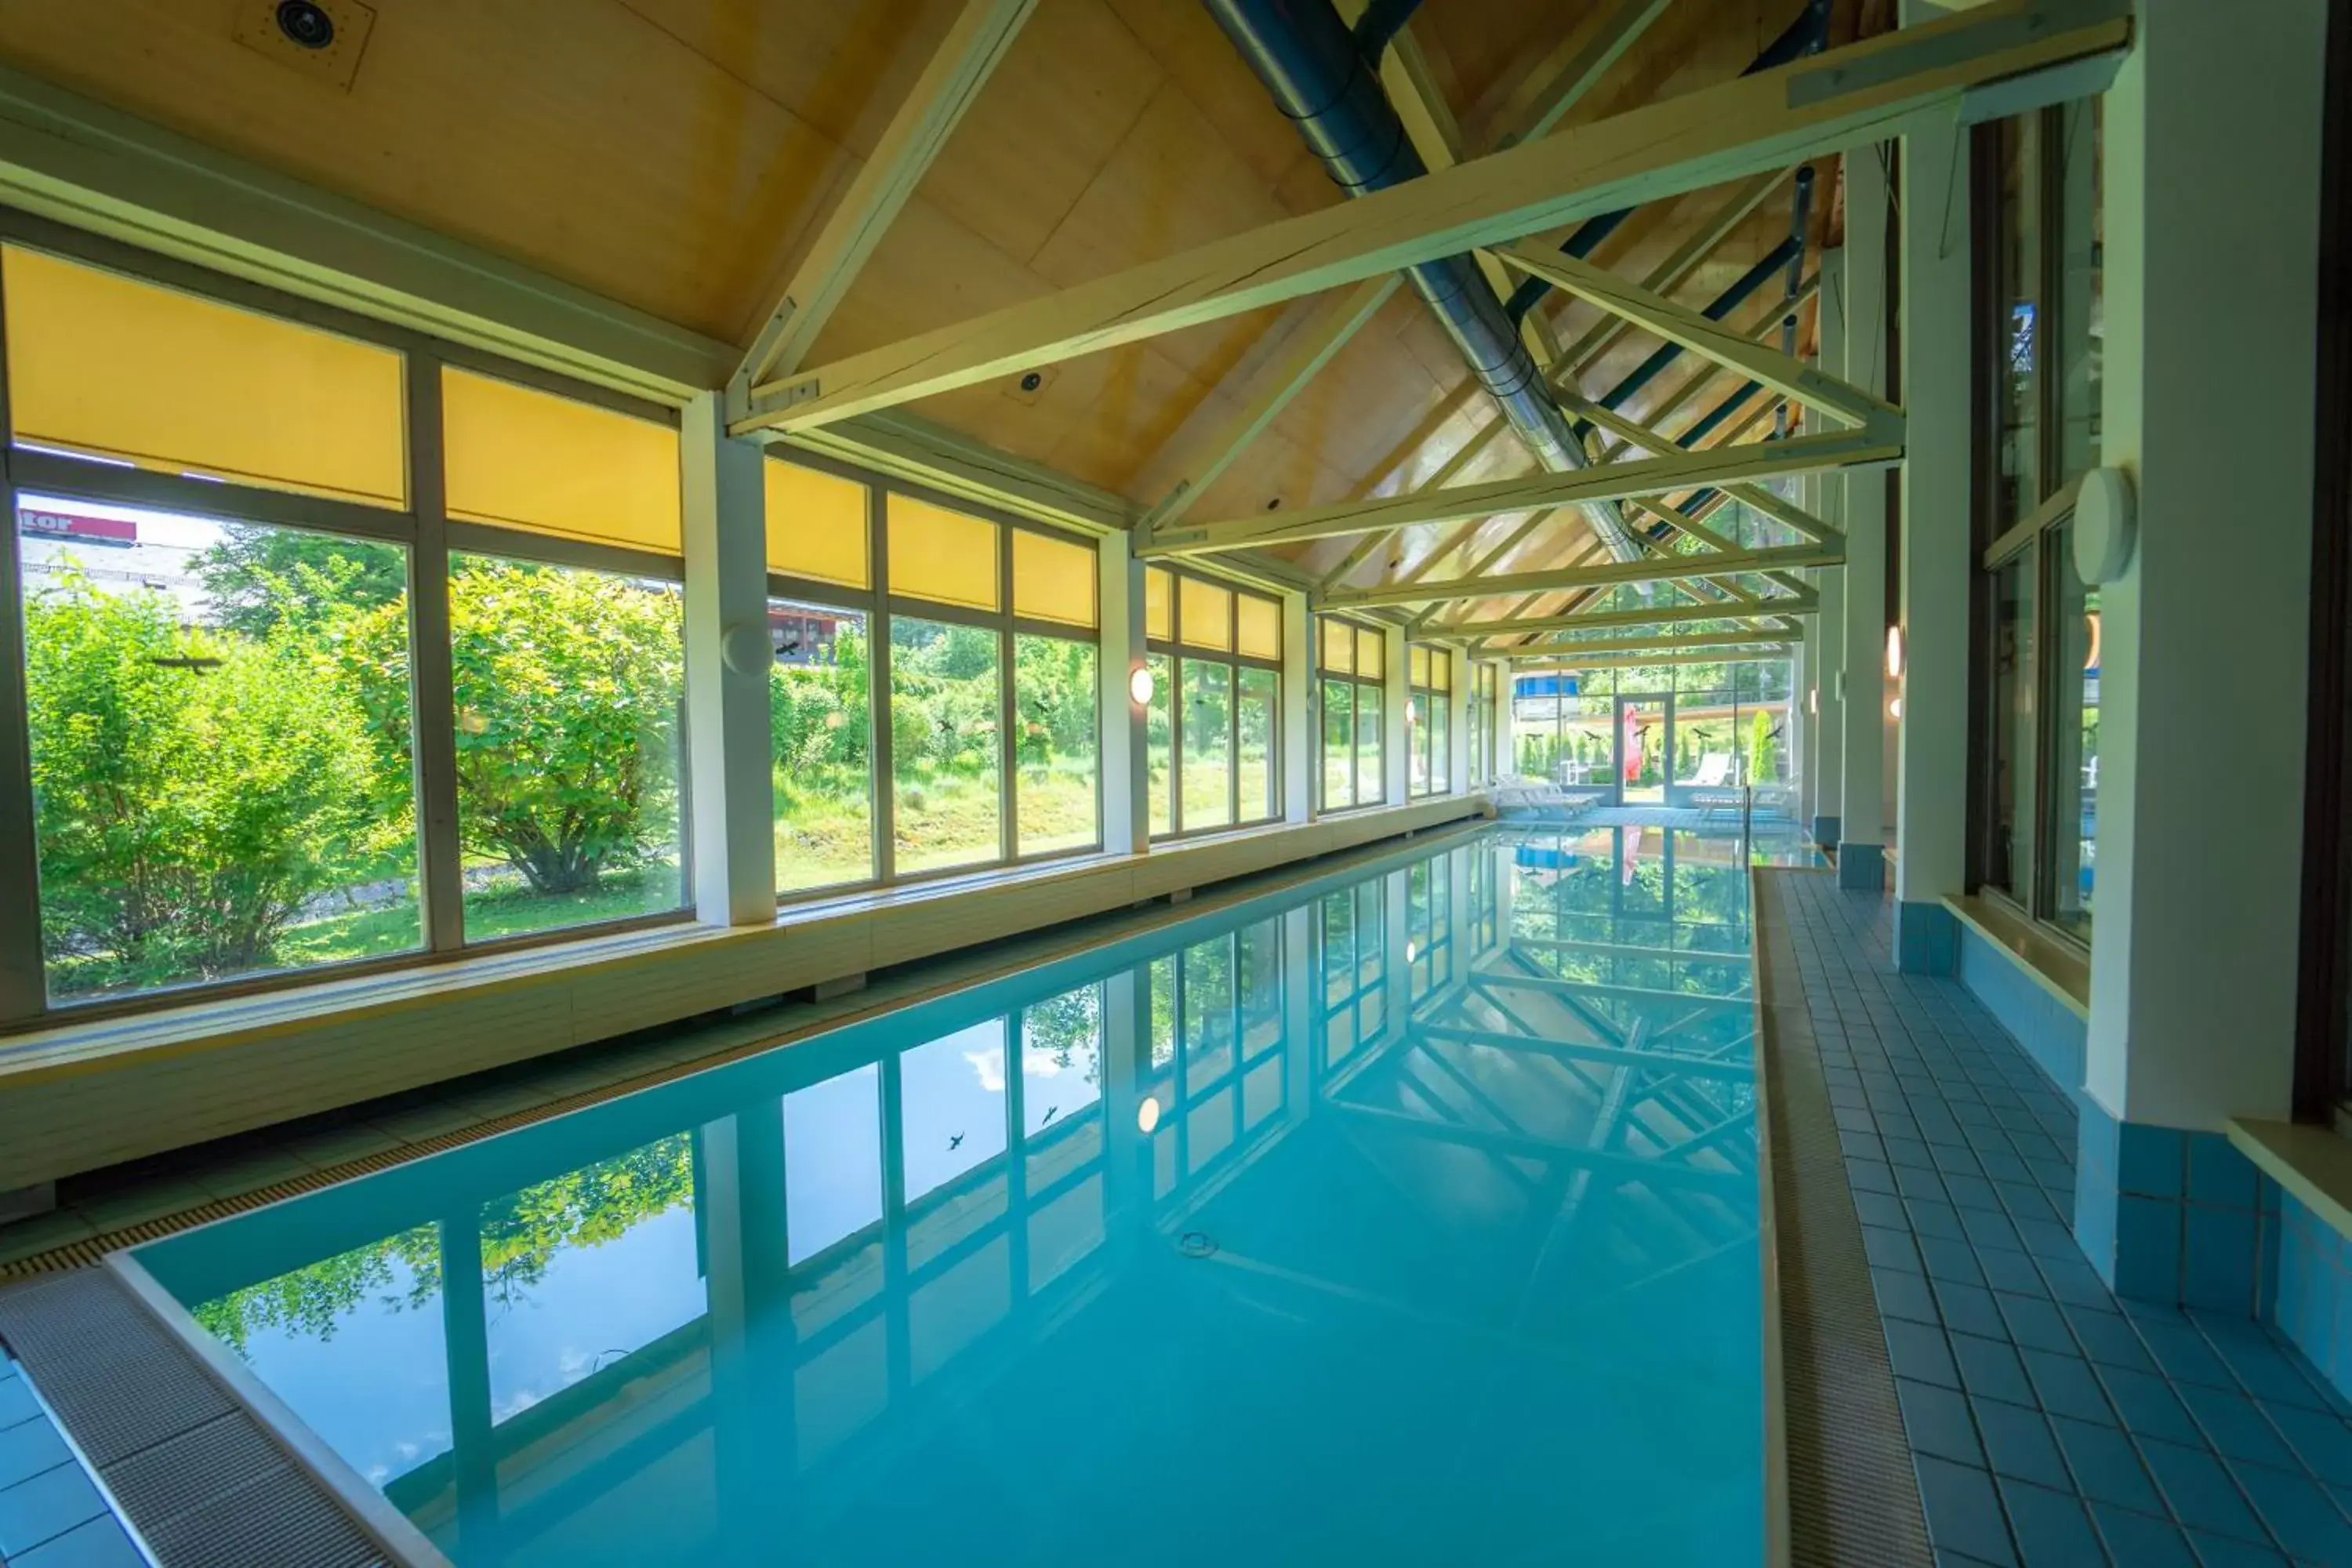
<point x="567" y="686"/>
<point x="191" y="790"/>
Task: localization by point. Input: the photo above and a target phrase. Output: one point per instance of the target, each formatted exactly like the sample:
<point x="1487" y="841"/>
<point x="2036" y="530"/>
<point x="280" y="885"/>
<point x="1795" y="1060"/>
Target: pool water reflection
<point x="1409" y="1218"/>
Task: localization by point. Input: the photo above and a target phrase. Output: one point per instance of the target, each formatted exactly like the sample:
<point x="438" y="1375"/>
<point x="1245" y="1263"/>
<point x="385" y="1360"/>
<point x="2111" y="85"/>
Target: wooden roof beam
<point x="1594" y="620"/>
<point x="957" y="70"/>
<point x="1537" y="100"/>
<point x="1612" y="482"/>
<point x="1601" y="574"/>
<point x="1826" y="103"/>
<point x="1547" y="663"/>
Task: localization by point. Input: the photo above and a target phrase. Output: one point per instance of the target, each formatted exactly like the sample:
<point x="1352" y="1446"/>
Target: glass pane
<point x="569" y="687"/>
<point x="1159" y="730"/>
<point x="1053" y="579"/>
<point x="1208" y="743"/>
<point x="1339" y="648"/>
<point x="2079" y="325"/>
<point x="1441" y="669"/>
<point x="219" y="717"/>
<point x="215" y="390"/>
<point x="942" y="555"/>
<point x="2019" y="349"/>
<point x="833" y="1161"/>
<point x="952" y="1114"/>
<point x="1338" y="784"/>
<point x="1371" y="653"/>
<point x="1371" y="784"/>
<point x="1440" y="746"/>
<point x="2074" y="733"/>
<point x="1261" y="627"/>
<point x="1053" y="692"/>
<point x="1416" y="666"/>
<point x="946" y="786"/>
<point x="1261" y="712"/>
<point x="1061" y="1058"/>
<point x="1204" y="613"/>
<point x="1158" y="606"/>
<point x="821" y="730"/>
<point x="817" y="525"/>
<point x="1206" y="973"/>
<point x="521" y="457"/>
<point x="2010" y="812"/>
<point x="1417" y="739"/>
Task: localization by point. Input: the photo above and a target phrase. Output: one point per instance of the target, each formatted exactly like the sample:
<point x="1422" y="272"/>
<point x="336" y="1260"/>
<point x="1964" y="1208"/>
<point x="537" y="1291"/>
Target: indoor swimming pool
<point x="1405" y="1215"/>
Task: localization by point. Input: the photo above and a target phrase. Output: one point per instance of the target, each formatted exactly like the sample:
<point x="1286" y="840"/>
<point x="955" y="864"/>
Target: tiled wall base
<point x="1862" y="866"/>
<point x="2052" y="1034"/>
<point x="2173" y="1217"/>
<point x="2313" y="1306"/>
<point x="1927" y="938"/>
<point x="1825" y="831"/>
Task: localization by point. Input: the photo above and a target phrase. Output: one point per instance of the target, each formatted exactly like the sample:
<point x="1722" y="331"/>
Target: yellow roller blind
<point x="106" y="365"/>
<point x="1371" y="653"/>
<point x="1205" y="612"/>
<point x="1417" y="664"/>
<point x="519" y="457"/>
<point x="1339" y="648"/>
<point x="1441" y="669"/>
<point x="816" y="526"/>
<point x="943" y="555"/>
<point x="1159" y="610"/>
<point x="1261" y="627"/>
<point x="1053" y="579"/>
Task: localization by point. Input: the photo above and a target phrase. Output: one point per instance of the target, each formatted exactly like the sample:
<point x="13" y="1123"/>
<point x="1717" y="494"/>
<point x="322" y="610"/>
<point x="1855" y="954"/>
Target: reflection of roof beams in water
<point x="1517" y="1146"/>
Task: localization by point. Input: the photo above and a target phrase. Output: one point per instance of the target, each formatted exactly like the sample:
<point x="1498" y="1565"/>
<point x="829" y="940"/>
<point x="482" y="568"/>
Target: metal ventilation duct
<point x="1310" y="63"/>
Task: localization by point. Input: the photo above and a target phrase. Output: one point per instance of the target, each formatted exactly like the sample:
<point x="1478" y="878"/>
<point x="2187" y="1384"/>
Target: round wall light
<point x="2104" y="523"/>
<point x="1139" y="686"/>
<point x="1894" y="708"/>
<point x="1895" y="653"/>
<point x="1147" y="1115"/>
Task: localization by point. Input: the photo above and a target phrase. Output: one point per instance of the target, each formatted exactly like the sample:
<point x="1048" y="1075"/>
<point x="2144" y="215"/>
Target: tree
<point x="257" y="577"/>
<point x="191" y="790"/>
<point x="566" y="687"/>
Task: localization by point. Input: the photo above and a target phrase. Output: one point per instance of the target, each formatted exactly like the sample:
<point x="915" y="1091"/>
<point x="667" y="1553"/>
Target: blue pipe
<point x="1808" y="35"/>
<point x="1730" y="299"/>
<point x="1313" y="67"/>
<point x="1382" y="21"/>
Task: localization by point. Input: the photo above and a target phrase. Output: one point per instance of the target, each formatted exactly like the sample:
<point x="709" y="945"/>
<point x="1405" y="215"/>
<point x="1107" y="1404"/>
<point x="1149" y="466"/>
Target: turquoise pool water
<point x="1409" y="1217"/>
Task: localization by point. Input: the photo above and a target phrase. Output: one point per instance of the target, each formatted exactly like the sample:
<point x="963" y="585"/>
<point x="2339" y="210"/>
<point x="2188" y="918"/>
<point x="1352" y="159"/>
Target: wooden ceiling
<point x="678" y="155"/>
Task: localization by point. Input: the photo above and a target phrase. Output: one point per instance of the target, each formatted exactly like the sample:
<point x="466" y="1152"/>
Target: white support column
<point x="1856" y="292"/>
<point x="1126" y="803"/>
<point x="1396" y="690"/>
<point x="1828" y="675"/>
<point x="1937" y="565"/>
<point x="1302" y="709"/>
<point x="2213" y="157"/>
<point x="726" y="670"/>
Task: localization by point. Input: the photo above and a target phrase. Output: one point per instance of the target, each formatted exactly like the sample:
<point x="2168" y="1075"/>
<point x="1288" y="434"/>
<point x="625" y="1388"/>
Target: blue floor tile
<point x="2221" y="1551"/>
<point x="2109" y="1341"/>
<point x="1890" y="1249"/>
<point x="1903" y="1295"/>
<point x="16" y="1403"/>
<point x="2015" y="1272"/>
<point x="1989" y="1370"/>
<point x="1964" y="1511"/>
<point x="2298" y="1513"/>
<point x="2200" y="1491"/>
<point x="44" y="1506"/>
<point x="2036" y="1323"/>
<point x="1970" y="1310"/>
<point x="2137" y="1541"/>
<point x="2018" y="1444"/>
<point x="1917" y="1352"/>
<point x="101" y="1543"/>
<point x="1938" y="1422"/>
<point x="2065" y="1385"/>
<point x="27" y="1448"/>
<point x="2235" y="1427"/>
<point x="2323" y="1442"/>
<point x="2052" y="1528"/>
<point x="2148" y="1407"/>
<point x="2105" y="1466"/>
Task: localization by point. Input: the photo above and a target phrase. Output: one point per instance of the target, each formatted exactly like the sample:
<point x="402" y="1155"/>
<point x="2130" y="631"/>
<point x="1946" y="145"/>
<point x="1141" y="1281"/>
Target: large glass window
<point x="567" y="685"/>
<point x="821" y="733"/>
<point x="1215" y="656"/>
<point x="223" y="773"/>
<point x="1353" y="662"/>
<point x="1428" y="718"/>
<point x="989" y="713"/>
<point x="2035" y="750"/>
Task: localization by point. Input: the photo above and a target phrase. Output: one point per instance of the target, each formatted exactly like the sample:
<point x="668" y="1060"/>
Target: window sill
<point x="2314" y="1164"/>
<point x="2056" y="966"/>
<point x="78" y="1095"/>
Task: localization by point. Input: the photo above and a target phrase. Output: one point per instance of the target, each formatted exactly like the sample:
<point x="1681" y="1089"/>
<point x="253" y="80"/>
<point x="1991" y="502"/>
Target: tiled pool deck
<point x="2051" y="1423"/>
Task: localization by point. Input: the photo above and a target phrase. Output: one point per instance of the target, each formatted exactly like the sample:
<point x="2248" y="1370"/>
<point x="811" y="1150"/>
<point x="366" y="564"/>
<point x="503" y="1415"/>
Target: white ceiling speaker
<point x="2105" y="525"/>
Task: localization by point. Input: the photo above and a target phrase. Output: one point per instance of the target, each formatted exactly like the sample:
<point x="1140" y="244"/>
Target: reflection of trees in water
<point x="520" y="1234"/>
<point x="1061" y="1026"/>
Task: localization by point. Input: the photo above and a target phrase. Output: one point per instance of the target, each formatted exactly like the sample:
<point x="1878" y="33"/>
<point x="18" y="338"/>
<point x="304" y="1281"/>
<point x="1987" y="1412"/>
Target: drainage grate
<point x="1853" y="1496"/>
